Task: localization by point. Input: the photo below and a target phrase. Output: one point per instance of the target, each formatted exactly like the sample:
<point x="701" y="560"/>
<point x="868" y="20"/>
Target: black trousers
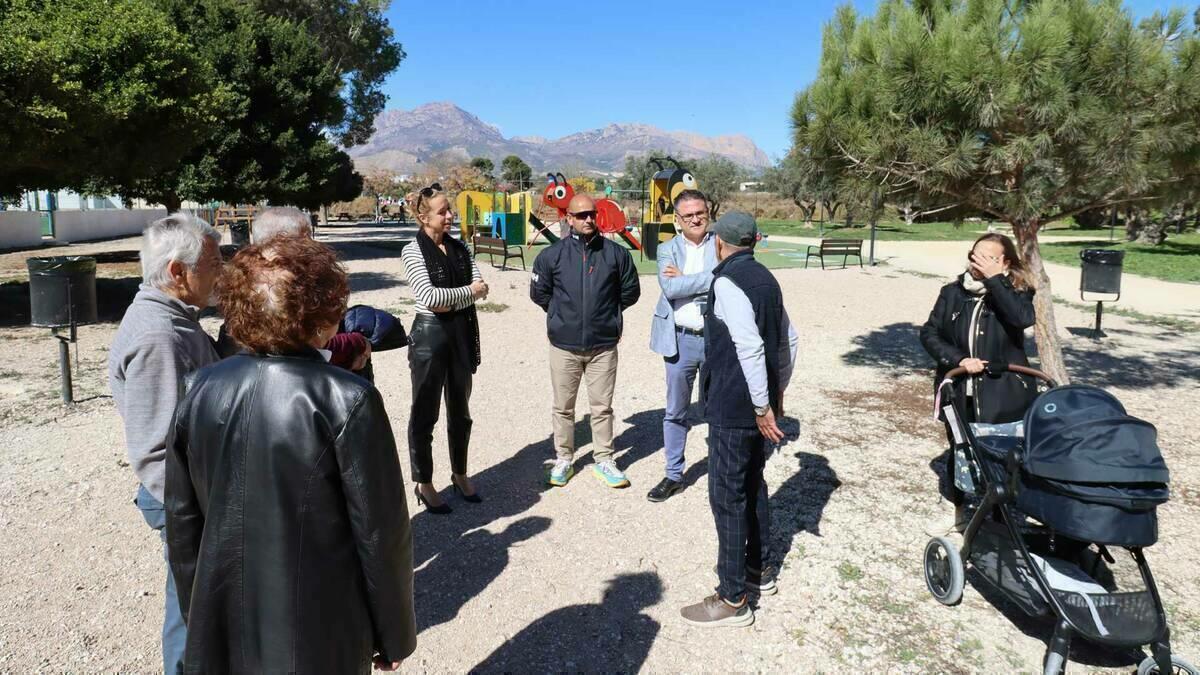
<point x="737" y="494"/>
<point x="438" y="372"/>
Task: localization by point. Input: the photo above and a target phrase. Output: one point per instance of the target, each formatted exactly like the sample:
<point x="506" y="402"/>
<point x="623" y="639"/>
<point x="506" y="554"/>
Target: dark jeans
<point x="438" y="373"/>
<point x="174" y="632"/>
<point x="737" y="494"/>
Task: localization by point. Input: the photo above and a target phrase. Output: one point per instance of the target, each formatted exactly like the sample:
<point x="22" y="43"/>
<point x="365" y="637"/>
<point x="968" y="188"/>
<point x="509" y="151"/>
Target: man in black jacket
<point x="584" y="282"/>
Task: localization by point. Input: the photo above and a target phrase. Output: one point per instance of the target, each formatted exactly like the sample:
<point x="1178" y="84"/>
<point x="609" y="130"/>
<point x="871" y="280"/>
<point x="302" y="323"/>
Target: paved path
<point x="947" y="258"/>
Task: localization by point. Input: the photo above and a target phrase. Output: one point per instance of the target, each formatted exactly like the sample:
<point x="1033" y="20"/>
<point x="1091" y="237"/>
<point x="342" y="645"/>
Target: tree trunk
<point x="1153" y="232"/>
<point x="1045" y="328"/>
<point x="172" y="202"/>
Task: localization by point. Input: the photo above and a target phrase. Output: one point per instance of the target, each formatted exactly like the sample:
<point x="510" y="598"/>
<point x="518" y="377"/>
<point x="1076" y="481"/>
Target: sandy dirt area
<point x="584" y="577"/>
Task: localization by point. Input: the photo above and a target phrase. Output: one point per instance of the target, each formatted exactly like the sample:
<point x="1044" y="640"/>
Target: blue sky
<point x="550" y="69"/>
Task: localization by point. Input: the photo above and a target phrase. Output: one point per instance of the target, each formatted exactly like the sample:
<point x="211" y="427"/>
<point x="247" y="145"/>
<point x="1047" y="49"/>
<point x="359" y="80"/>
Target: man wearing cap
<point x="750" y="349"/>
<point x="685" y="266"/>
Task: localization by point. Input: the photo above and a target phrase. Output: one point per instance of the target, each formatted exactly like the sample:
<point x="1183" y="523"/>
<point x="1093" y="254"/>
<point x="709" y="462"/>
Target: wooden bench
<point x="835" y="247"/>
<point x="495" y="246"/>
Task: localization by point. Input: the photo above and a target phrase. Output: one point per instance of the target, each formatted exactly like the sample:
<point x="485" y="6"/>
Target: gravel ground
<point x="587" y="578"/>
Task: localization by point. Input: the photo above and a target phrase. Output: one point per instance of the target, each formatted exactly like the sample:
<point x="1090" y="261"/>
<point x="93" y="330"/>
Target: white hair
<point x="179" y="236"/>
<point x="279" y="220"/>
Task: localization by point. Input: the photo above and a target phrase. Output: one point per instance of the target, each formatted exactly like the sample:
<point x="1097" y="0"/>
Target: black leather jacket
<point x="1000" y="337"/>
<point x="287" y="527"/>
<point x="584" y="286"/>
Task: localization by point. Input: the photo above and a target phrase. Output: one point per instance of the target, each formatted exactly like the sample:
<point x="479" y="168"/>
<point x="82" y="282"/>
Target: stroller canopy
<point x="1082" y="434"/>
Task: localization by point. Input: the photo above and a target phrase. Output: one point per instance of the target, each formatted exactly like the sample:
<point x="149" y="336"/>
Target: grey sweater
<point x="158" y="343"/>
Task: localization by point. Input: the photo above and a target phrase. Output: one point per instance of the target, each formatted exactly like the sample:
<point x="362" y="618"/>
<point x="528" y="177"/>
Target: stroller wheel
<point x="944" y="573"/>
<point x="1178" y="667"/>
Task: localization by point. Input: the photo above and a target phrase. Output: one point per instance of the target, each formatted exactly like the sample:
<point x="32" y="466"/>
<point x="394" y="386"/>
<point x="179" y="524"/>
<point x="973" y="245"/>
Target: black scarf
<point x="452" y="269"/>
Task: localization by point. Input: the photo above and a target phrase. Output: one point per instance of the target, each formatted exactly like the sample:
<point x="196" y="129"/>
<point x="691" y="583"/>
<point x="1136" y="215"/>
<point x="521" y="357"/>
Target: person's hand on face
<point x="987" y="260"/>
<point x="360" y="361"/>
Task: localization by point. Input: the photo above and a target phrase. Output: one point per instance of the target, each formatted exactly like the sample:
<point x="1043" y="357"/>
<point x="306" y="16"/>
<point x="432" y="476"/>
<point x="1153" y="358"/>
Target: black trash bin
<point x="239" y="234"/>
<point x="1101" y="271"/>
<point x="650" y="240"/>
<point x="62" y="289"/>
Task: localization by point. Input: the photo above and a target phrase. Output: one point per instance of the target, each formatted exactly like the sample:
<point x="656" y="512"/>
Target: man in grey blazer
<point x="685" y="266"/>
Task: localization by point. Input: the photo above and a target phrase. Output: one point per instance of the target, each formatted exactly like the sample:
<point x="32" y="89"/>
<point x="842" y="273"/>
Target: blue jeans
<point x="174" y="632"/>
<point x="681" y="377"/>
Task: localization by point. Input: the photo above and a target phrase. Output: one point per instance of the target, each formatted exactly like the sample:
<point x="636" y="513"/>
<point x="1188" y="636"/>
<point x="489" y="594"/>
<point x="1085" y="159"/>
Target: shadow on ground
<point x="361" y="282"/>
<point x="113" y="296"/>
<point x="613" y="636"/>
<point x="896" y="350"/>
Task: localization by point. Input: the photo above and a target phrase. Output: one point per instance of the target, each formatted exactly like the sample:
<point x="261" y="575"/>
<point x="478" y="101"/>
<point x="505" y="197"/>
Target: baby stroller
<point x="1047" y="496"/>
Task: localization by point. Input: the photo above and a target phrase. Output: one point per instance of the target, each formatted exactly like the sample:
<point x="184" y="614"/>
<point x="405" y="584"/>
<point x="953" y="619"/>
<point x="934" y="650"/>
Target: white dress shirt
<point x="687" y="310"/>
<point x="733" y="308"/>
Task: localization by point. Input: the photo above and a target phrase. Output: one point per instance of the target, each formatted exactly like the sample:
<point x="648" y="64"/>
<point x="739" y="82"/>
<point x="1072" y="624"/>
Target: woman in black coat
<point x="287" y="527"/>
<point x="980" y="318"/>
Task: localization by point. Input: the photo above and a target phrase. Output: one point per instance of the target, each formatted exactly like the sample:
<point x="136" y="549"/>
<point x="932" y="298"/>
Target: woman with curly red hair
<point x="287" y="527"/>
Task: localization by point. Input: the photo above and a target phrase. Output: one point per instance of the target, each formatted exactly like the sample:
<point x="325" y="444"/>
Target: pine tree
<point x="1027" y="110"/>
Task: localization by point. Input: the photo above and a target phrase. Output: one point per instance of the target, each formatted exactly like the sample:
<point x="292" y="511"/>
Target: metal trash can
<point x="62" y="289"/>
<point x="1101" y="271"/>
<point x="650" y="240"/>
<point x="239" y="234"/>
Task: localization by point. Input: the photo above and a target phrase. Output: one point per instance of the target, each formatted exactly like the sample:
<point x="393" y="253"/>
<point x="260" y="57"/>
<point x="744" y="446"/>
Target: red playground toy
<point x="610" y="219"/>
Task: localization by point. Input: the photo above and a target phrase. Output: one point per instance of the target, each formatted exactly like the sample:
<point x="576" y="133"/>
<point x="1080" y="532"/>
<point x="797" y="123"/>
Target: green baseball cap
<point x="737" y="228"/>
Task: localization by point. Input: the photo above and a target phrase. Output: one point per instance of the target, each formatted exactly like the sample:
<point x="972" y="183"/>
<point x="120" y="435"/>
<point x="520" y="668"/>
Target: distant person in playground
<point x="980" y="318"/>
<point x="444" y="350"/>
<point x="750" y="350"/>
<point x="685" y="265"/>
<point x="287" y="525"/>
<point x="158" y="342"/>
<point x="584" y="282"/>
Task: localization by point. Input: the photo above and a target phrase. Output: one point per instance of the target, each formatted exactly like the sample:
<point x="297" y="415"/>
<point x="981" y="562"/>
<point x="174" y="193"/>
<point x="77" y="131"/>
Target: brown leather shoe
<point x="713" y="612"/>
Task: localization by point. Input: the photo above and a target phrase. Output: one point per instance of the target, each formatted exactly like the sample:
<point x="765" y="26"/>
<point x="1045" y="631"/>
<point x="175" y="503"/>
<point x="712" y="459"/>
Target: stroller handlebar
<point x="995" y="368"/>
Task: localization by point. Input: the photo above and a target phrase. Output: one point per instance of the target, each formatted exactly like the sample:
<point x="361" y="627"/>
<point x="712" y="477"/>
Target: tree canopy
<point x="192" y="99"/>
<point x="99" y="93"/>
<point x="1026" y="111"/>
<point x="515" y="172"/>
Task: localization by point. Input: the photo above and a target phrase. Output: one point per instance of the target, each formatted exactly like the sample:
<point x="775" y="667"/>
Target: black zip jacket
<point x="584" y="285"/>
<point x="1006" y="314"/>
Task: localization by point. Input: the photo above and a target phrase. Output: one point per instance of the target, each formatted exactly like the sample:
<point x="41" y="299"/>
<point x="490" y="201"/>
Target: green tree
<point x="1028" y="112"/>
<point x="514" y="171"/>
<point x="356" y="41"/>
<point x="485" y="166"/>
<point x="275" y="143"/>
<point x="95" y="94"/>
<point x="718" y="178"/>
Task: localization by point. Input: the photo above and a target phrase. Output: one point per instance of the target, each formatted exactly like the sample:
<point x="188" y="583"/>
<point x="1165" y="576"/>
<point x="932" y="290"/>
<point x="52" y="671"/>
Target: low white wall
<point x="20" y="229"/>
<point x="72" y="226"/>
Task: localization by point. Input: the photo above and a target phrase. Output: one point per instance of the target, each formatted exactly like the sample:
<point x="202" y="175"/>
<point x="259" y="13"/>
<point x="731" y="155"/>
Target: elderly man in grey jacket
<point x="159" y="342"/>
<point x="685" y="266"/>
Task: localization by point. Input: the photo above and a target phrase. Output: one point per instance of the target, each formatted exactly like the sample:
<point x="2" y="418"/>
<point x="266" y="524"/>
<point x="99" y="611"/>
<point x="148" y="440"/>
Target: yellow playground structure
<point x="494" y="214"/>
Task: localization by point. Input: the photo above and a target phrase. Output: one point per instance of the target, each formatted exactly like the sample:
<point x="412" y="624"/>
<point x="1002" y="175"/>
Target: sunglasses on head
<point x="427" y="192"/>
<point x="584" y="215"/>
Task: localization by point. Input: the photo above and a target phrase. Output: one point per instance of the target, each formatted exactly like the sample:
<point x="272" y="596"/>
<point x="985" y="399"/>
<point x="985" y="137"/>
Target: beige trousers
<point x="599" y="368"/>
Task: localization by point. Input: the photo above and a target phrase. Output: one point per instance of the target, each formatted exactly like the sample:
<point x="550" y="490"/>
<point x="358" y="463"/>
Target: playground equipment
<point x="665" y="186"/>
<point x="610" y="219"/>
<point x="494" y="214"/>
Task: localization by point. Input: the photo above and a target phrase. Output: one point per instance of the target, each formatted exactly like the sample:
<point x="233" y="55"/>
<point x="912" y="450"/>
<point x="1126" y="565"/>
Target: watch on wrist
<point x="762" y="411"/>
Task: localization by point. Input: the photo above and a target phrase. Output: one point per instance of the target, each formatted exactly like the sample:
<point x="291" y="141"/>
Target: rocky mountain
<point x="406" y="139"/>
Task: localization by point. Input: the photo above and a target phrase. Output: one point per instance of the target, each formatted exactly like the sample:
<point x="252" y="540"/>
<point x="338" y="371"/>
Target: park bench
<point x="495" y="246"/>
<point x="836" y="247"/>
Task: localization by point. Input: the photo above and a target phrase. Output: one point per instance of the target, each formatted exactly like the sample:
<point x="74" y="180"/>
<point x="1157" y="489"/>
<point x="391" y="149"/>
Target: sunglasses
<point x="584" y="215"/>
<point x="427" y="192"/>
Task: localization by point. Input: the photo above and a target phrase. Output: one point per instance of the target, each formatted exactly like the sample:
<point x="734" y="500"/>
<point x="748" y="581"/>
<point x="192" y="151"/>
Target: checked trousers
<point x="737" y="494"/>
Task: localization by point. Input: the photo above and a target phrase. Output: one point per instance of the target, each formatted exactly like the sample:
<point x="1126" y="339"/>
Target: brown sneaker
<point x="713" y="612"/>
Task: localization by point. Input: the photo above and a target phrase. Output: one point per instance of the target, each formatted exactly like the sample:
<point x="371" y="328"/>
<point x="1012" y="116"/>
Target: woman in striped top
<point x="445" y="343"/>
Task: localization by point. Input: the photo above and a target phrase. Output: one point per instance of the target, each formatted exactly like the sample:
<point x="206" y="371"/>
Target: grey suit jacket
<point x="662" y="329"/>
